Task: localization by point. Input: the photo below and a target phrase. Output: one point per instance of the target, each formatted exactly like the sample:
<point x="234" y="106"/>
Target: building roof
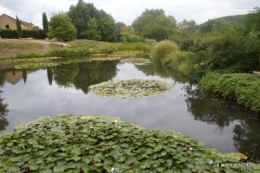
<point x="29" y="25"/>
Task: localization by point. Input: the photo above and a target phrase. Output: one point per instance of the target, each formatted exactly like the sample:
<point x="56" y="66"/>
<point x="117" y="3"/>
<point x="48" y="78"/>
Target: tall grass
<point x="134" y="47"/>
<point x="242" y="87"/>
<point x="162" y="49"/>
<point x="20" y="45"/>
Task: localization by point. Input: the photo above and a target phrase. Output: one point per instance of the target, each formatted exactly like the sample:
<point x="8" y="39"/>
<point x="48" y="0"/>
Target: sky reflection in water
<point x="216" y="125"/>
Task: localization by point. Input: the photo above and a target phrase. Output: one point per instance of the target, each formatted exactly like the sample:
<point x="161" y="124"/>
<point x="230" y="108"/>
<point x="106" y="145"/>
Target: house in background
<point x="7" y="22"/>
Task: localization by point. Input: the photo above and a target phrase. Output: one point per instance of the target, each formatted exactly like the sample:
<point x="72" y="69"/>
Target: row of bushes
<point x="37" y="34"/>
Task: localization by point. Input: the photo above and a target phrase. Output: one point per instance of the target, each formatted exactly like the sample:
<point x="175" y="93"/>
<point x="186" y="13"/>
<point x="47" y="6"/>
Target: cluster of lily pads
<point x="136" y="61"/>
<point x="35" y="65"/>
<point x="90" y="144"/>
<point x="133" y="88"/>
<point x="112" y="58"/>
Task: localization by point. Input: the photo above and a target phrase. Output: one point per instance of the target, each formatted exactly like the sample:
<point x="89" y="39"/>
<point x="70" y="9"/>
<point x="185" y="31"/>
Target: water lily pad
<point x="136" y="61"/>
<point x="134" y="88"/>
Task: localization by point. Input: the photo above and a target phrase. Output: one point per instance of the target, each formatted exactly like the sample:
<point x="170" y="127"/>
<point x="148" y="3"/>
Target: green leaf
<point x="59" y="168"/>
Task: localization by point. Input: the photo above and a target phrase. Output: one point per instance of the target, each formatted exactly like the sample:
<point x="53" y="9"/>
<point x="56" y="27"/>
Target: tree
<point x="106" y="26"/>
<point x="126" y="32"/>
<point x="80" y="14"/>
<point x="157" y="32"/>
<point x="18" y="26"/>
<point x="92" y="32"/>
<point x="140" y="22"/>
<point x="45" y="23"/>
<point x="62" y="28"/>
<point x="153" y="12"/>
<point x="118" y="26"/>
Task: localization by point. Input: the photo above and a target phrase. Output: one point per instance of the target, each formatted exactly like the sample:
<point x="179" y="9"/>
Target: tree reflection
<point x="2" y="78"/>
<point x="247" y="139"/>
<point x="50" y="75"/>
<point x="207" y="110"/>
<point x="3" y="112"/>
<point x="82" y="75"/>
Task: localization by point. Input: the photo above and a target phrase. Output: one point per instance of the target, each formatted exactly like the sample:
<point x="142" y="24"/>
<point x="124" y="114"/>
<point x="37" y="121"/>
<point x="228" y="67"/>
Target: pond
<point x="27" y="95"/>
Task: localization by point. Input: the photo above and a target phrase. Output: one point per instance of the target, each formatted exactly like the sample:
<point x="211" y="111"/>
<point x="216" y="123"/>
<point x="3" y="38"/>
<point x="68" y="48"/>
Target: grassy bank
<point x="242" y="87"/>
<point x="68" y="143"/>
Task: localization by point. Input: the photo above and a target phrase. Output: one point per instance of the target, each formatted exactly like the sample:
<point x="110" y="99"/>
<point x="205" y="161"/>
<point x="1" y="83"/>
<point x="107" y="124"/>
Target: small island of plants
<point x="134" y="88"/>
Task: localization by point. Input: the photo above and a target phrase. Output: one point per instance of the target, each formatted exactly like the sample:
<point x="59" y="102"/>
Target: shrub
<point x="68" y="143"/>
<point x="66" y="52"/>
<point x="8" y="33"/>
<point x="151" y="42"/>
<point x="107" y="48"/>
<point x="162" y="49"/>
<point x="134" y="39"/>
<point x="123" y="39"/>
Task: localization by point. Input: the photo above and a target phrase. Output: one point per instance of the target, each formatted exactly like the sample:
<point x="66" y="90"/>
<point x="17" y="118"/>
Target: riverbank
<point x="42" y="54"/>
<point x="240" y="87"/>
<point x="102" y="144"/>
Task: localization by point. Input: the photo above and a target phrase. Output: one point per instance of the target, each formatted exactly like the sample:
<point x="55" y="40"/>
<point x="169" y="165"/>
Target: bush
<point x="8" y="33"/>
<point x="66" y="52"/>
<point x="242" y="87"/>
<point x="123" y="39"/>
<point x="107" y="48"/>
<point x="162" y="49"/>
<point x="68" y="143"/>
<point x="134" y="39"/>
<point x="151" y="42"/>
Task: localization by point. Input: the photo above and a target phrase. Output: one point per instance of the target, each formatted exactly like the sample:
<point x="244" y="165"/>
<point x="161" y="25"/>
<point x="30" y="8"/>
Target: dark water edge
<point x="27" y="95"/>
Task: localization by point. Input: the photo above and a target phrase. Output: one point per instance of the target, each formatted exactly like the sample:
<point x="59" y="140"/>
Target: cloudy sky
<point x="127" y="11"/>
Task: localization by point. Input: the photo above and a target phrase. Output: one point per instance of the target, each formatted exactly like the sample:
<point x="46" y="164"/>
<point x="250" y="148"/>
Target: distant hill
<point x="237" y="19"/>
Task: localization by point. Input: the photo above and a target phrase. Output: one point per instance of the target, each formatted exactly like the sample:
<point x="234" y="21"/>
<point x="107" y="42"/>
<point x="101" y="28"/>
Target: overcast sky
<point x="127" y="11"/>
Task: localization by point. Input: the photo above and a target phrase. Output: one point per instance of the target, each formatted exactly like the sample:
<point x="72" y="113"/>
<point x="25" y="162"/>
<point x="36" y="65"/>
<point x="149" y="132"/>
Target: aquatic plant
<point x="136" y="61"/>
<point x="35" y="65"/>
<point x="86" y="144"/>
<point x="133" y="88"/>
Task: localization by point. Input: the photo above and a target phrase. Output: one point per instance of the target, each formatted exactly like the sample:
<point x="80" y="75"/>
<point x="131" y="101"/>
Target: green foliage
<point x="45" y="24"/>
<point x="140" y="22"/>
<point x="92" y="32"/>
<point x="61" y="28"/>
<point x="182" y="62"/>
<point x="153" y="12"/>
<point x="36" y="34"/>
<point x="244" y="88"/>
<point x="134" y="47"/>
<point x="106" y="26"/>
<point x="234" y="20"/>
<point x="19" y="28"/>
<point x="126" y="32"/>
<point x="107" y="49"/>
<point x="80" y="14"/>
<point x="151" y="42"/>
<point x="101" y="144"/>
<point x="8" y="33"/>
<point x="67" y="52"/>
<point x="157" y="32"/>
<point x="123" y="39"/>
<point x="162" y="49"/>
<point x="35" y="65"/>
<point x="134" y="39"/>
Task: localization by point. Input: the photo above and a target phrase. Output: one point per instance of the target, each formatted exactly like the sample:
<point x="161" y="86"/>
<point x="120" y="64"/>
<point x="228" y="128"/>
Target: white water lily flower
<point x="91" y="127"/>
<point x="112" y="170"/>
<point x="190" y="149"/>
<point x="119" y="127"/>
<point x="115" y="121"/>
<point x="210" y="162"/>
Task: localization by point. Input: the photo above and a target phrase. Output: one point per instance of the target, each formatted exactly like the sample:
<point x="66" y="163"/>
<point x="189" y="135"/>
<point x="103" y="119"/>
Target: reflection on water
<point x="64" y="89"/>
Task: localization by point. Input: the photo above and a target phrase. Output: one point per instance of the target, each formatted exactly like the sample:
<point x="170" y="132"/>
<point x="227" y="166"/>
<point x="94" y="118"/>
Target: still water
<point x="27" y="95"/>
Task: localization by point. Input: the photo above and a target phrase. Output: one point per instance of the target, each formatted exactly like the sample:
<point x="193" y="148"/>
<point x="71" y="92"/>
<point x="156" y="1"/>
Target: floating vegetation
<point x="134" y="88"/>
<point x="105" y="58"/>
<point x="137" y="61"/>
<point x="34" y="59"/>
<point x="66" y="143"/>
<point x="35" y="65"/>
<point x="128" y="52"/>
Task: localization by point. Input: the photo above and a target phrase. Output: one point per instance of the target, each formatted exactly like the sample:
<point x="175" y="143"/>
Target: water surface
<point x="27" y="95"/>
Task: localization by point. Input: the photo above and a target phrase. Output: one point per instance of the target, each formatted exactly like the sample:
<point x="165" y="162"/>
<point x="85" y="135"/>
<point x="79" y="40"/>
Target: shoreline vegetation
<point x="112" y="146"/>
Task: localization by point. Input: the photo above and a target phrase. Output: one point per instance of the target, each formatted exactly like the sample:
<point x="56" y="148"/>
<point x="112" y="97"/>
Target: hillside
<point x="237" y="19"/>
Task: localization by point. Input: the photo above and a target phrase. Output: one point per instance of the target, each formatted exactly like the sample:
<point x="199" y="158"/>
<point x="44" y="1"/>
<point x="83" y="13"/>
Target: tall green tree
<point x="80" y="14"/>
<point x="92" y="32"/>
<point x="140" y="22"/>
<point x="19" y="27"/>
<point x="153" y="12"/>
<point x="62" y="28"/>
<point x="45" y="23"/>
<point x="106" y="26"/>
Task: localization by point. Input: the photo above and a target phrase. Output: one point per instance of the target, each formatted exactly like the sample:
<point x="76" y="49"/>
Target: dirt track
<point x="14" y="51"/>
